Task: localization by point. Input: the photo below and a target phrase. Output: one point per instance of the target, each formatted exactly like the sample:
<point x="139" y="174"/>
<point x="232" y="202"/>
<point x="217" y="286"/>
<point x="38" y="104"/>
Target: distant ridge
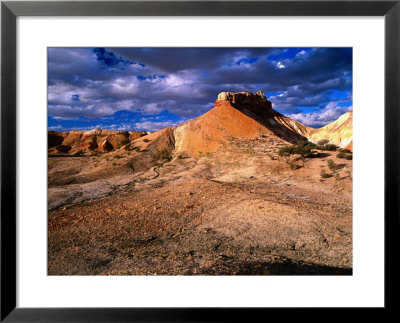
<point x="83" y="142"/>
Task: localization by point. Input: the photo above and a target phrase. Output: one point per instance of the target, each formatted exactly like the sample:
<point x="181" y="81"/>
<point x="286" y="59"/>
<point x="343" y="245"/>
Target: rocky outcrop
<point x="54" y="139"/>
<point x="244" y="98"/>
<point x="89" y="142"/>
<point x="339" y="132"/>
<point x="95" y="132"/>
<point x="133" y="135"/>
<point x="63" y="148"/>
<point x="254" y="102"/>
<point x="105" y="146"/>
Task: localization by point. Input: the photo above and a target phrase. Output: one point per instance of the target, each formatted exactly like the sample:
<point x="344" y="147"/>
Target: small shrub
<point x="285" y="152"/>
<point x="146" y="140"/>
<point x="126" y="147"/>
<point x="329" y="147"/>
<point x="302" y="148"/>
<point x="332" y="165"/>
<point x="347" y="151"/>
<point x="264" y="136"/>
<point x="344" y="156"/>
<point x="163" y="155"/>
<point x="323" y="174"/>
<point x="293" y="166"/>
<point x="301" y="143"/>
<point x="322" y="142"/>
<point x="337" y="177"/>
<point x="136" y="149"/>
<point x="114" y="163"/>
<point x="125" y="141"/>
<point x="180" y="156"/>
<point x="117" y="156"/>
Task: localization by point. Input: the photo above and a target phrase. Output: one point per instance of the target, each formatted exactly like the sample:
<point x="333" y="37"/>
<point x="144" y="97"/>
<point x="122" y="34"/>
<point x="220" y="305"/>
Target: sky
<point x="149" y="89"/>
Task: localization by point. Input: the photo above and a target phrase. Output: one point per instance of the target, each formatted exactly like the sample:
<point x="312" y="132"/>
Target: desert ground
<point x="241" y="210"/>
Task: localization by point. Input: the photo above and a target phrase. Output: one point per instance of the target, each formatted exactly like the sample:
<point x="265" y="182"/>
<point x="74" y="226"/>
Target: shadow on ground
<point x="286" y="267"/>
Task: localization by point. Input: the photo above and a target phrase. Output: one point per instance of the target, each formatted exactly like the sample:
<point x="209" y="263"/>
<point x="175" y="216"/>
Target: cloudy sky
<point x="153" y="88"/>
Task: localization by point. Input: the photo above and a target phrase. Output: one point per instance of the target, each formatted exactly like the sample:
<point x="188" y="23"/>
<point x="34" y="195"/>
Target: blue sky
<point x="153" y="88"/>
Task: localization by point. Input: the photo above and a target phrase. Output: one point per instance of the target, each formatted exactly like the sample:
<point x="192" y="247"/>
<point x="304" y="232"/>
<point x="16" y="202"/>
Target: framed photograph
<point x="196" y="160"/>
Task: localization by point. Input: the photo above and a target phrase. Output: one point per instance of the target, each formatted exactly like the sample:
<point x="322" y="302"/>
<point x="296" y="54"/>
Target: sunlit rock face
<point x="338" y="132"/>
<point x="253" y="101"/>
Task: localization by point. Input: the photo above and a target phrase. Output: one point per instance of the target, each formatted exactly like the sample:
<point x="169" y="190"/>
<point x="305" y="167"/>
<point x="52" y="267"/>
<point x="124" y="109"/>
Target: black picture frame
<point x="10" y="10"/>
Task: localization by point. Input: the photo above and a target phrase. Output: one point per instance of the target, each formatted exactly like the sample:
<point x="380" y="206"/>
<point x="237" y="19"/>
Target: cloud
<point x="280" y="65"/>
<point x="155" y="126"/>
<point x="92" y="83"/>
<point x="56" y="128"/>
<point x="109" y="58"/>
<point x="327" y="114"/>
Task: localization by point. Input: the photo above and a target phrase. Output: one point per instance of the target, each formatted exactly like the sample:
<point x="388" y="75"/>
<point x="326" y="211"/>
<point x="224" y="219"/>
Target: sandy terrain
<point x="238" y="211"/>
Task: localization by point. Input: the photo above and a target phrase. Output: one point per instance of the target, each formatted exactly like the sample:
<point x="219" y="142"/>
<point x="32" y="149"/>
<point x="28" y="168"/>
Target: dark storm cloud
<point x="97" y="82"/>
<point x="109" y="59"/>
<point x="175" y="59"/>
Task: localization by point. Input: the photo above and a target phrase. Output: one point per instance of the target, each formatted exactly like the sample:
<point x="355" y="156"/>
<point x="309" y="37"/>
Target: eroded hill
<point x="89" y="142"/>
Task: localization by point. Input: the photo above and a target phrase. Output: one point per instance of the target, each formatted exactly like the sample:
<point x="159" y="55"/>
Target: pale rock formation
<point x="339" y="132"/>
<point x="245" y="98"/>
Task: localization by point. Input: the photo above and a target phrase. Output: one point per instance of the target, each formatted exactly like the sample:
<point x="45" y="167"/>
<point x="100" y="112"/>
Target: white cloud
<point x="55" y="128"/>
<point x="120" y="127"/>
<point x="320" y="118"/>
<point x="151" y="108"/>
<point x="155" y="126"/>
<point x="280" y="65"/>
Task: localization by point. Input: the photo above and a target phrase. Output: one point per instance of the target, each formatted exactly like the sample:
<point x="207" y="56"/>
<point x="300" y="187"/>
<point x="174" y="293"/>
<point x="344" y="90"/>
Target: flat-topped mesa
<point x="246" y="99"/>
